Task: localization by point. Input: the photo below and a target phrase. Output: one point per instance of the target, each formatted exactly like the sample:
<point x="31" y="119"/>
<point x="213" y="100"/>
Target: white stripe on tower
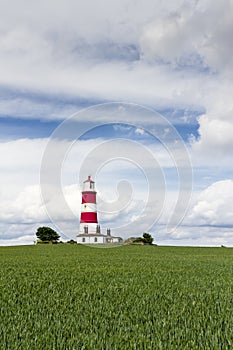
<point x="88" y="208"/>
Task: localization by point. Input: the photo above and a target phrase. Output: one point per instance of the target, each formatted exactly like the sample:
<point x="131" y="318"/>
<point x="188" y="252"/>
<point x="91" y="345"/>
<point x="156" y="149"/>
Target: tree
<point x="71" y="241"/>
<point x="138" y="240"/>
<point x="147" y="238"/>
<point x="47" y="234"/>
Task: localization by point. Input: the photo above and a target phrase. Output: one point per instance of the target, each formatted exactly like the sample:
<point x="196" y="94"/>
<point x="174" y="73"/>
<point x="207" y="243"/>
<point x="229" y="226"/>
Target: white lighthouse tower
<point x="89" y="229"/>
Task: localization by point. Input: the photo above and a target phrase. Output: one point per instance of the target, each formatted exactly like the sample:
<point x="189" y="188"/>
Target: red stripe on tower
<point x="88" y="197"/>
<point x="89" y="217"/>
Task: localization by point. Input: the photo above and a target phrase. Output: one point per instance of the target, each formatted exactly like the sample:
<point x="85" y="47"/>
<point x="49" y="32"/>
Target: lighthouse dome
<point x="89" y="184"/>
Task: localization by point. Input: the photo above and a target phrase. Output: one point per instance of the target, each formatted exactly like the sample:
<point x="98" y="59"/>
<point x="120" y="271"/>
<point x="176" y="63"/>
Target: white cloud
<point x="208" y="222"/>
<point x="193" y="36"/>
<point x="26" y="207"/>
<point x="140" y="131"/>
<point x="193" y="236"/>
<point x="168" y="38"/>
<point x="214" y="205"/>
<point x="113" y="58"/>
<point x="192" y="30"/>
<point x="215" y="135"/>
<point x="23" y="240"/>
<point x="39" y="55"/>
<point x="29" y="108"/>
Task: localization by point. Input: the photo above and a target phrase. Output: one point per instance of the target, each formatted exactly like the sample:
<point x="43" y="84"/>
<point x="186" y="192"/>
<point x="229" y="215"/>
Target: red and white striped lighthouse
<point x="88" y="219"/>
<point x="89" y="230"/>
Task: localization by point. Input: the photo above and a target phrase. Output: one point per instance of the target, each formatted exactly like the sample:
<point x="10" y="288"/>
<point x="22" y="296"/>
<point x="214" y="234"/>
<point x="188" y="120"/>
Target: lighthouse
<point x="89" y="228"/>
<point x="88" y="219"/>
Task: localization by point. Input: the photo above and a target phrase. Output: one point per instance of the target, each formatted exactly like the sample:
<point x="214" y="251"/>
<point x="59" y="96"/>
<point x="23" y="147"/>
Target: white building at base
<point x="91" y="238"/>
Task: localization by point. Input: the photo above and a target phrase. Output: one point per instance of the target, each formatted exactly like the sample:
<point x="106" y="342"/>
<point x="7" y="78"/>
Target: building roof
<point x="95" y="235"/>
<point x="89" y="179"/>
<point x="90" y="235"/>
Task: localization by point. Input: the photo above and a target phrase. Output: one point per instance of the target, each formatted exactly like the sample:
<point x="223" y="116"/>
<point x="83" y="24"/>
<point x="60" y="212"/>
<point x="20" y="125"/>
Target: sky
<point x="136" y="93"/>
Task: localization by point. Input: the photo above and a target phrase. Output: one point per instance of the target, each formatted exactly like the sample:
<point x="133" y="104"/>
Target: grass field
<point x="132" y="297"/>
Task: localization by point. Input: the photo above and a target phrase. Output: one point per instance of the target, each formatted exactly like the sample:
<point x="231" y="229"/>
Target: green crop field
<point x="131" y="297"/>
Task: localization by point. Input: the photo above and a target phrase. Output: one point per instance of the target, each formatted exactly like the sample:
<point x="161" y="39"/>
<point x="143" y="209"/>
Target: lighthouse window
<point x="91" y="185"/>
<point x="96" y="240"/>
<point x="83" y="240"/>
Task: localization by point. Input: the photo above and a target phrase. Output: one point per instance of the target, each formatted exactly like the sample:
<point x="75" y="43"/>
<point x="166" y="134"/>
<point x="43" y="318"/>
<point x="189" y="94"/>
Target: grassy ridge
<point x="132" y="297"/>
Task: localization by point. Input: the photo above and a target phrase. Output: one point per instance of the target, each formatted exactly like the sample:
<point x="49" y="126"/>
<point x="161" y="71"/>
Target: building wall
<point x="91" y="239"/>
<point x="116" y="240"/>
<point x="97" y="239"/>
